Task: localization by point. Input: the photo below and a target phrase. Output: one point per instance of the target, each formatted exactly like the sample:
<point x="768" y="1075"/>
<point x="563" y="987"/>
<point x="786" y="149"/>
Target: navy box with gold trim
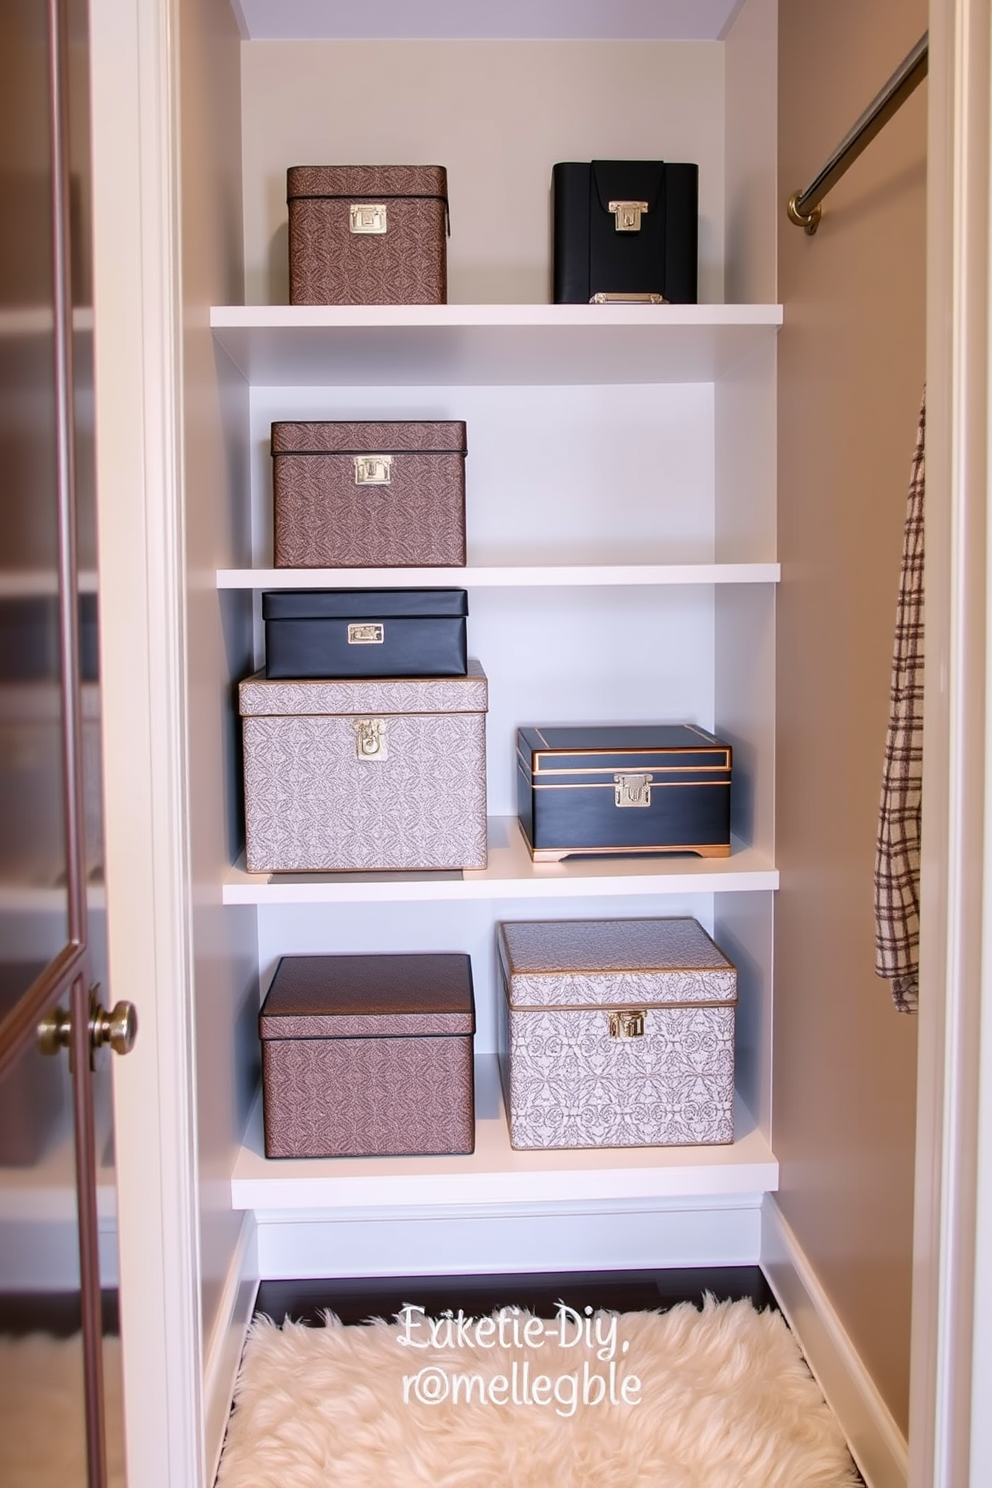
<point x="623" y="789"/>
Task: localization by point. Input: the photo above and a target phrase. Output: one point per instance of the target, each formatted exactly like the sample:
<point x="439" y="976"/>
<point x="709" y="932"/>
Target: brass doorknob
<point x="54" y="1031"/>
<point x="118" y="1028"/>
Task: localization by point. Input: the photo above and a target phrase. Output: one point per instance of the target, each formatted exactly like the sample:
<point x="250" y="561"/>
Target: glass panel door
<point x="59" y="1360"/>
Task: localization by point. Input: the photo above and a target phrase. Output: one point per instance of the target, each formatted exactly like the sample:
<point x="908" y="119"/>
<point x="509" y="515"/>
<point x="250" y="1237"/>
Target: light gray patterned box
<point x="616" y="1033"/>
<point x="368" y="775"/>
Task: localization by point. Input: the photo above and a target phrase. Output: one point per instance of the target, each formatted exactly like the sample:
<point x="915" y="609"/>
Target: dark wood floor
<point x="355" y="1300"/>
<point x="55" y="1313"/>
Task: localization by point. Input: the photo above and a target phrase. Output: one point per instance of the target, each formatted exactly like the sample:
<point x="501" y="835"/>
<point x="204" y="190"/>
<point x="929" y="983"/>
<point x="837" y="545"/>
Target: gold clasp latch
<point x="628" y="215"/>
<point x="370" y="739"/>
<point x="633" y="790"/>
<point x="373" y="470"/>
<point x="366" y="217"/>
<point x="628" y="1024"/>
<point x="366" y="635"/>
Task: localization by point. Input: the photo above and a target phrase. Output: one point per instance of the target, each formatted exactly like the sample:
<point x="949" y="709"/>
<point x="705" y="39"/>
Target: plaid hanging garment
<point x="897" y="853"/>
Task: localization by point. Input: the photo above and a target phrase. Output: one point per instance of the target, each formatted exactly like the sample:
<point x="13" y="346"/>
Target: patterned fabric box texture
<point x="367" y="234"/>
<point x="371" y="775"/>
<point x="369" y="494"/>
<point x="616" y="1033"/>
<point x="368" y="1056"/>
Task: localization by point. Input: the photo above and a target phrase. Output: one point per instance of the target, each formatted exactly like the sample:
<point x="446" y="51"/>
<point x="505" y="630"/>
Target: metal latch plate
<point x="604" y="298"/>
<point x="368" y="634"/>
<point x="369" y="217"/>
<point x="373" y="470"/>
<point x="370" y="739"/>
<point x="632" y="790"/>
<point x="627" y="1023"/>
<point x="628" y="214"/>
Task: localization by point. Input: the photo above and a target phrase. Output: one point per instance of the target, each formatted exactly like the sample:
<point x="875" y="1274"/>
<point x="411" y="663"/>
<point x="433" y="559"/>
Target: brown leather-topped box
<point x="367" y="234"/>
<point x="385" y="493"/>
<point x="369" y="1056"/>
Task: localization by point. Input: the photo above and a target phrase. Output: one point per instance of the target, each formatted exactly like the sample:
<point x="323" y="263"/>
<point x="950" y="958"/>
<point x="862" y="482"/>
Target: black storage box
<point x="320" y="633"/>
<point x="623" y="789"/>
<point x="626" y="229"/>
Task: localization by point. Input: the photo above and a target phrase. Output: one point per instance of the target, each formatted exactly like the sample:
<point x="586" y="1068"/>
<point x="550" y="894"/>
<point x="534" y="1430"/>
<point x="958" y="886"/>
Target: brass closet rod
<point x="804" y="206"/>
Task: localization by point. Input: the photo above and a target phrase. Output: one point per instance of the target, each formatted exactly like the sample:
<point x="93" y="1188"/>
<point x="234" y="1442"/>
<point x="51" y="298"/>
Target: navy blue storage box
<point x="623" y="789"/>
<point x="323" y="633"/>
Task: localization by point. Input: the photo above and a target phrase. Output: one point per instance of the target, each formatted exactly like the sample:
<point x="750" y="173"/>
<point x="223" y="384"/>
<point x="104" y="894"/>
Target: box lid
<point x="610" y="963"/>
<point x="260" y="697"/>
<point x="373" y="181"/>
<point x="364" y="437"/>
<point x="392" y="996"/>
<point x="576" y="751"/>
<point x="363" y="604"/>
<point x="627" y="180"/>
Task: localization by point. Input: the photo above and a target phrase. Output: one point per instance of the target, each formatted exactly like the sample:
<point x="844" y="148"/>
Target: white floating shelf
<point x="41" y="583"/>
<point x="485" y="345"/>
<point x="512" y="875"/>
<point x="42" y="899"/>
<point x="45" y="1193"/>
<point x="39" y="320"/>
<point x="500" y="577"/>
<point x="495" y="1174"/>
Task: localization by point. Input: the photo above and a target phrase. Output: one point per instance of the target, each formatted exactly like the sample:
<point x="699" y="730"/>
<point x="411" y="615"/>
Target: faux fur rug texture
<point x="718" y="1398"/>
<point x="42" y="1433"/>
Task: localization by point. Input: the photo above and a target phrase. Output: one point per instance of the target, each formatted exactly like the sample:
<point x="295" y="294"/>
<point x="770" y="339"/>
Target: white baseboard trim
<point x="711" y="1232"/>
<point x="877" y="1445"/>
<point x="223" y="1351"/>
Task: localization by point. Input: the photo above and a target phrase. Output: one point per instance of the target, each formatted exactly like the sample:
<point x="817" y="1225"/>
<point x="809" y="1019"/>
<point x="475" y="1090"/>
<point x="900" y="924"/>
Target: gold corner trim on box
<point x="656" y="784"/>
<point x="556" y="854"/>
<point x="537" y="766"/>
<point x="603" y="1007"/>
<point x="640" y="770"/>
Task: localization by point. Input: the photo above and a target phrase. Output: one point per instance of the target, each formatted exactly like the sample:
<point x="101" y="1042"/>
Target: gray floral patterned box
<point x="616" y="1033"/>
<point x="372" y="774"/>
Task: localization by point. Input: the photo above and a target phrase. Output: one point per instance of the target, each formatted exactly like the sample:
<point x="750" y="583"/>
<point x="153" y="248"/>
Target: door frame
<point x="954" y="1075"/>
<point x="138" y="317"/>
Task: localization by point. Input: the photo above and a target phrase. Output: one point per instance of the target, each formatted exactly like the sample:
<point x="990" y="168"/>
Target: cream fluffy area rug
<point x="718" y="1398"/>
<point x="42" y="1435"/>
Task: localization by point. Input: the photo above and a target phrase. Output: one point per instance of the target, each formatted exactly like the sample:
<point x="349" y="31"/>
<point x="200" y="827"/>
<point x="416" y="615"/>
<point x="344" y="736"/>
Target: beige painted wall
<point x="216" y="520"/>
<point x="497" y="115"/>
<point x="851" y="368"/>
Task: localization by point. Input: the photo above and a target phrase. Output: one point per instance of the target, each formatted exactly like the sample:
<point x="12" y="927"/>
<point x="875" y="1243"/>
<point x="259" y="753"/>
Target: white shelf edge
<point x="41" y="583"/>
<point x="41" y="899"/>
<point x="496" y="1174"/>
<point x="45" y="1193"/>
<point x="39" y="320"/>
<point x="512" y="875"/>
<point x="488" y="345"/>
<point x="501" y="576"/>
<point x="331" y="317"/>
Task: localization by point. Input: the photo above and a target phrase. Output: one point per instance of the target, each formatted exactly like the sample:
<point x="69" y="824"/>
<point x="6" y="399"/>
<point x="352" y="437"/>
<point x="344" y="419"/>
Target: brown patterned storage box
<point x="369" y="494"/>
<point x="377" y="774"/>
<point x="367" y="234"/>
<point x="368" y="1056"/>
<point x="616" y="1033"/>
